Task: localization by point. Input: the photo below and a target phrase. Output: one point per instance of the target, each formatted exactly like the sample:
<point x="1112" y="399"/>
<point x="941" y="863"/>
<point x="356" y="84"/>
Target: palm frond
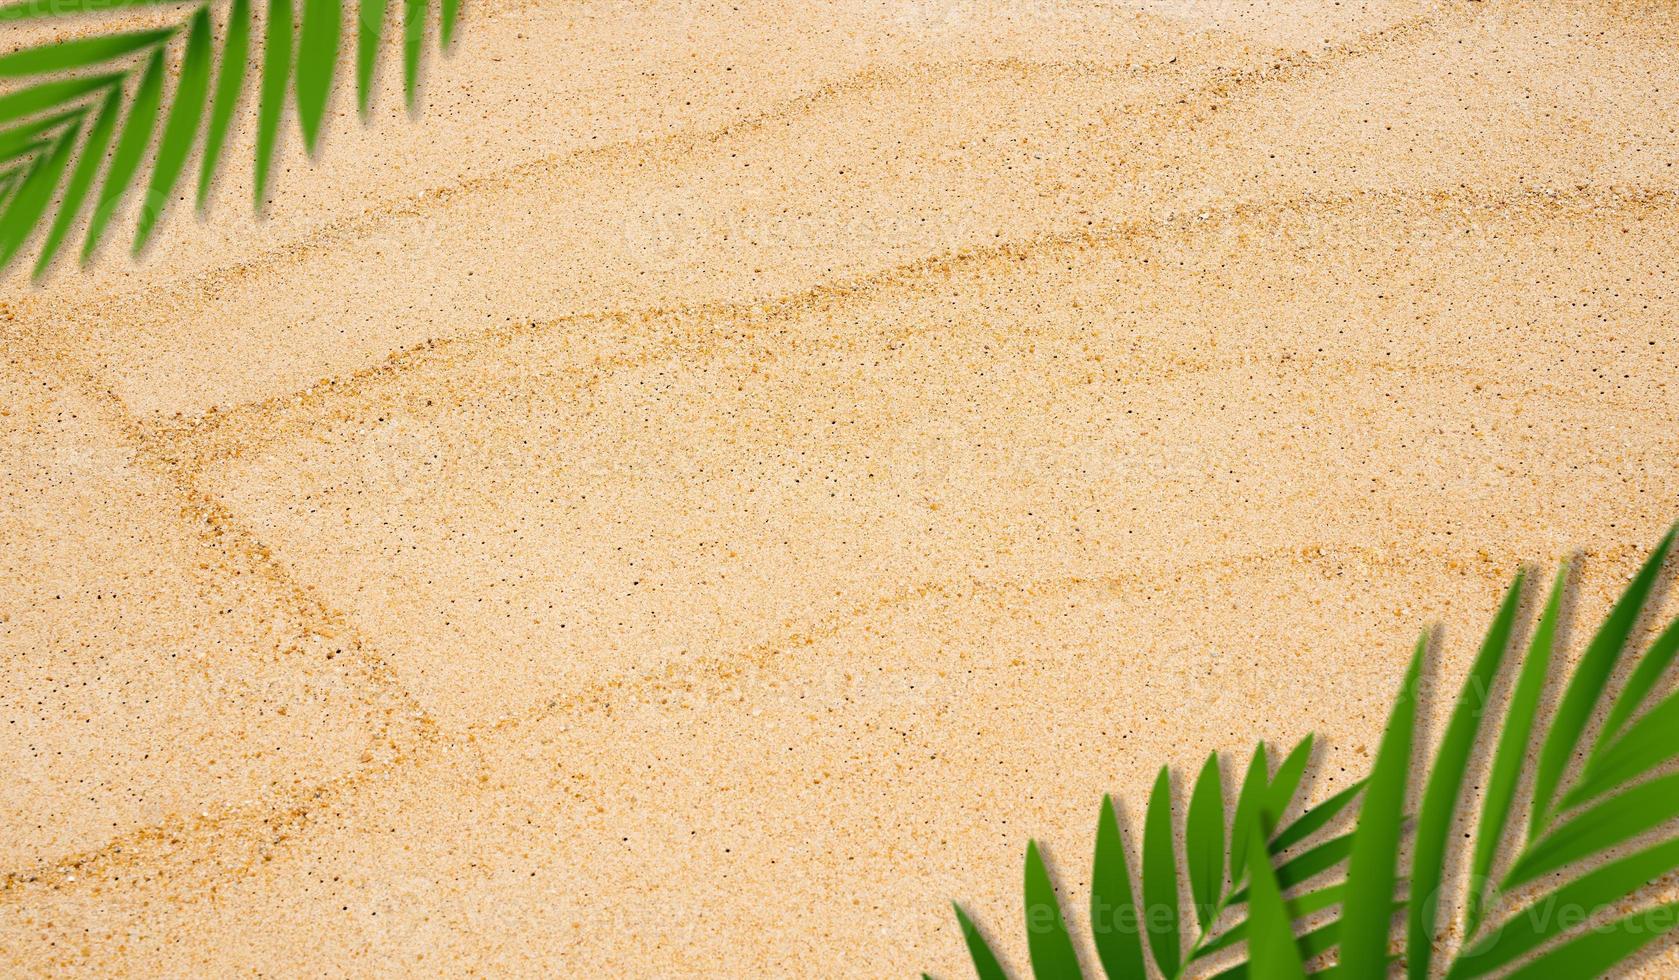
<point x="1132" y="927"/>
<point x="1577" y="815"/>
<point x="1272" y="953"/>
<point x="1279" y="885"/>
<point x="1372" y="871"/>
<point x="86" y="121"/>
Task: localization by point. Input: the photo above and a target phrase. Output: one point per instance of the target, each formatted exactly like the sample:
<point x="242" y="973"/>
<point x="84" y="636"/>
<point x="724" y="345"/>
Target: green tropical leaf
<point x="1287" y="781"/>
<point x="31" y="149"/>
<point x="1511" y="754"/>
<point x="81" y="179"/>
<point x="1047" y="942"/>
<point x="1565" y="909"/>
<point x="451" y="13"/>
<point x="1250" y="800"/>
<point x="372" y="20"/>
<point x="1643" y="680"/>
<point x="1651" y="742"/>
<point x="50" y="95"/>
<point x="78" y="52"/>
<point x="1586" y="688"/>
<point x="122" y="76"/>
<point x="33" y="195"/>
<point x="1299" y="907"/>
<point x="131" y="145"/>
<point x="230" y="81"/>
<point x="1551" y="934"/>
<point x="1608" y="824"/>
<point x="1308" y="865"/>
<point x="317" y="53"/>
<point x="1119" y="926"/>
<point x="413" y="38"/>
<point x="1316" y="818"/>
<point x="1272" y="954"/>
<point x="276" y="69"/>
<point x="1373" y="864"/>
<point x="1445" y="783"/>
<point x="181" y="128"/>
<point x="1647" y="746"/>
<point x="1114" y="923"/>
<point x="1160" y="878"/>
<point x="985" y="961"/>
<point x="18" y="140"/>
<point x="1204" y="841"/>
<point x="1597" y="950"/>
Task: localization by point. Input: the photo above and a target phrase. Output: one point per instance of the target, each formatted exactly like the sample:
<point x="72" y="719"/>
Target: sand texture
<point x="699" y="497"/>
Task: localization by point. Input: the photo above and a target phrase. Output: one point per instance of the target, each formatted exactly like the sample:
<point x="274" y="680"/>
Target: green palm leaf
<point x="317" y="53"/>
<point x="372" y="22"/>
<point x="451" y="13"/>
<point x="1250" y="799"/>
<point x="1372" y="867"/>
<point x="1611" y="823"/>
<point x="413" y="37"/>
<point x="28" y="151"/>
<point x="985" y="961"/>
<point x="33" y="195"/>
<point x="1047" y="941"/>
<point x="78" y="52"/>
<point x="1113" y="911"/>
<point x="1272" y="954"/>
<point x="1286" y="782"/>
<point x="1586" y="688"/>
<point x="111" y="91"/>
<point x="1298" y="907"/>
<point x="23" y="139"/>
<point x="1595" y="951"/>
<point x="131" y="146"/>
<point x="230" y="81"/>
<point x="50" y="95"/>
<point x="81" y="179"/>
<point x="1445" y="783"/>
<point x="1511" y="753"/>
<point x="1643" y="680"/>
<point x="1204" y="841"/>
<point x="1316" y="818"/>
<point x="1573" y="819"/>
<point x="1648" y="745"/>
<point x="1160" y="878"/>
<point x="1554" y="914"/>
<point x="276" y="69"/>
<point x="180" y="130"/>
<point x="1121" y="929"/>
<point x="8" y="180"/>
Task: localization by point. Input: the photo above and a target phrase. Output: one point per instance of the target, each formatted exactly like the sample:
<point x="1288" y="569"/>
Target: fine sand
<point x="701" y="496"/>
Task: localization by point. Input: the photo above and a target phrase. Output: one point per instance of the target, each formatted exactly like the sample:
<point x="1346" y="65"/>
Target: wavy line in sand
<point x="199" y="443"/>
<point x="266" y="829"/>
<point x="235" y="553"/>
<point x="1222" y="85"/>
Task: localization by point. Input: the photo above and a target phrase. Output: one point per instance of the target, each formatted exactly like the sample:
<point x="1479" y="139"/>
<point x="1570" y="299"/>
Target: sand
<point x="702" y="495"/>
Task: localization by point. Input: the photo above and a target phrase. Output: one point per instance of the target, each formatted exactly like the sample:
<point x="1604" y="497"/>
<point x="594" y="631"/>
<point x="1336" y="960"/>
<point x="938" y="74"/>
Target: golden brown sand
<point x="700" y="497"/>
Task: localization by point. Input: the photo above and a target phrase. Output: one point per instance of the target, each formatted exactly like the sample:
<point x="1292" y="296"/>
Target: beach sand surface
<point x="699" y="497"/>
